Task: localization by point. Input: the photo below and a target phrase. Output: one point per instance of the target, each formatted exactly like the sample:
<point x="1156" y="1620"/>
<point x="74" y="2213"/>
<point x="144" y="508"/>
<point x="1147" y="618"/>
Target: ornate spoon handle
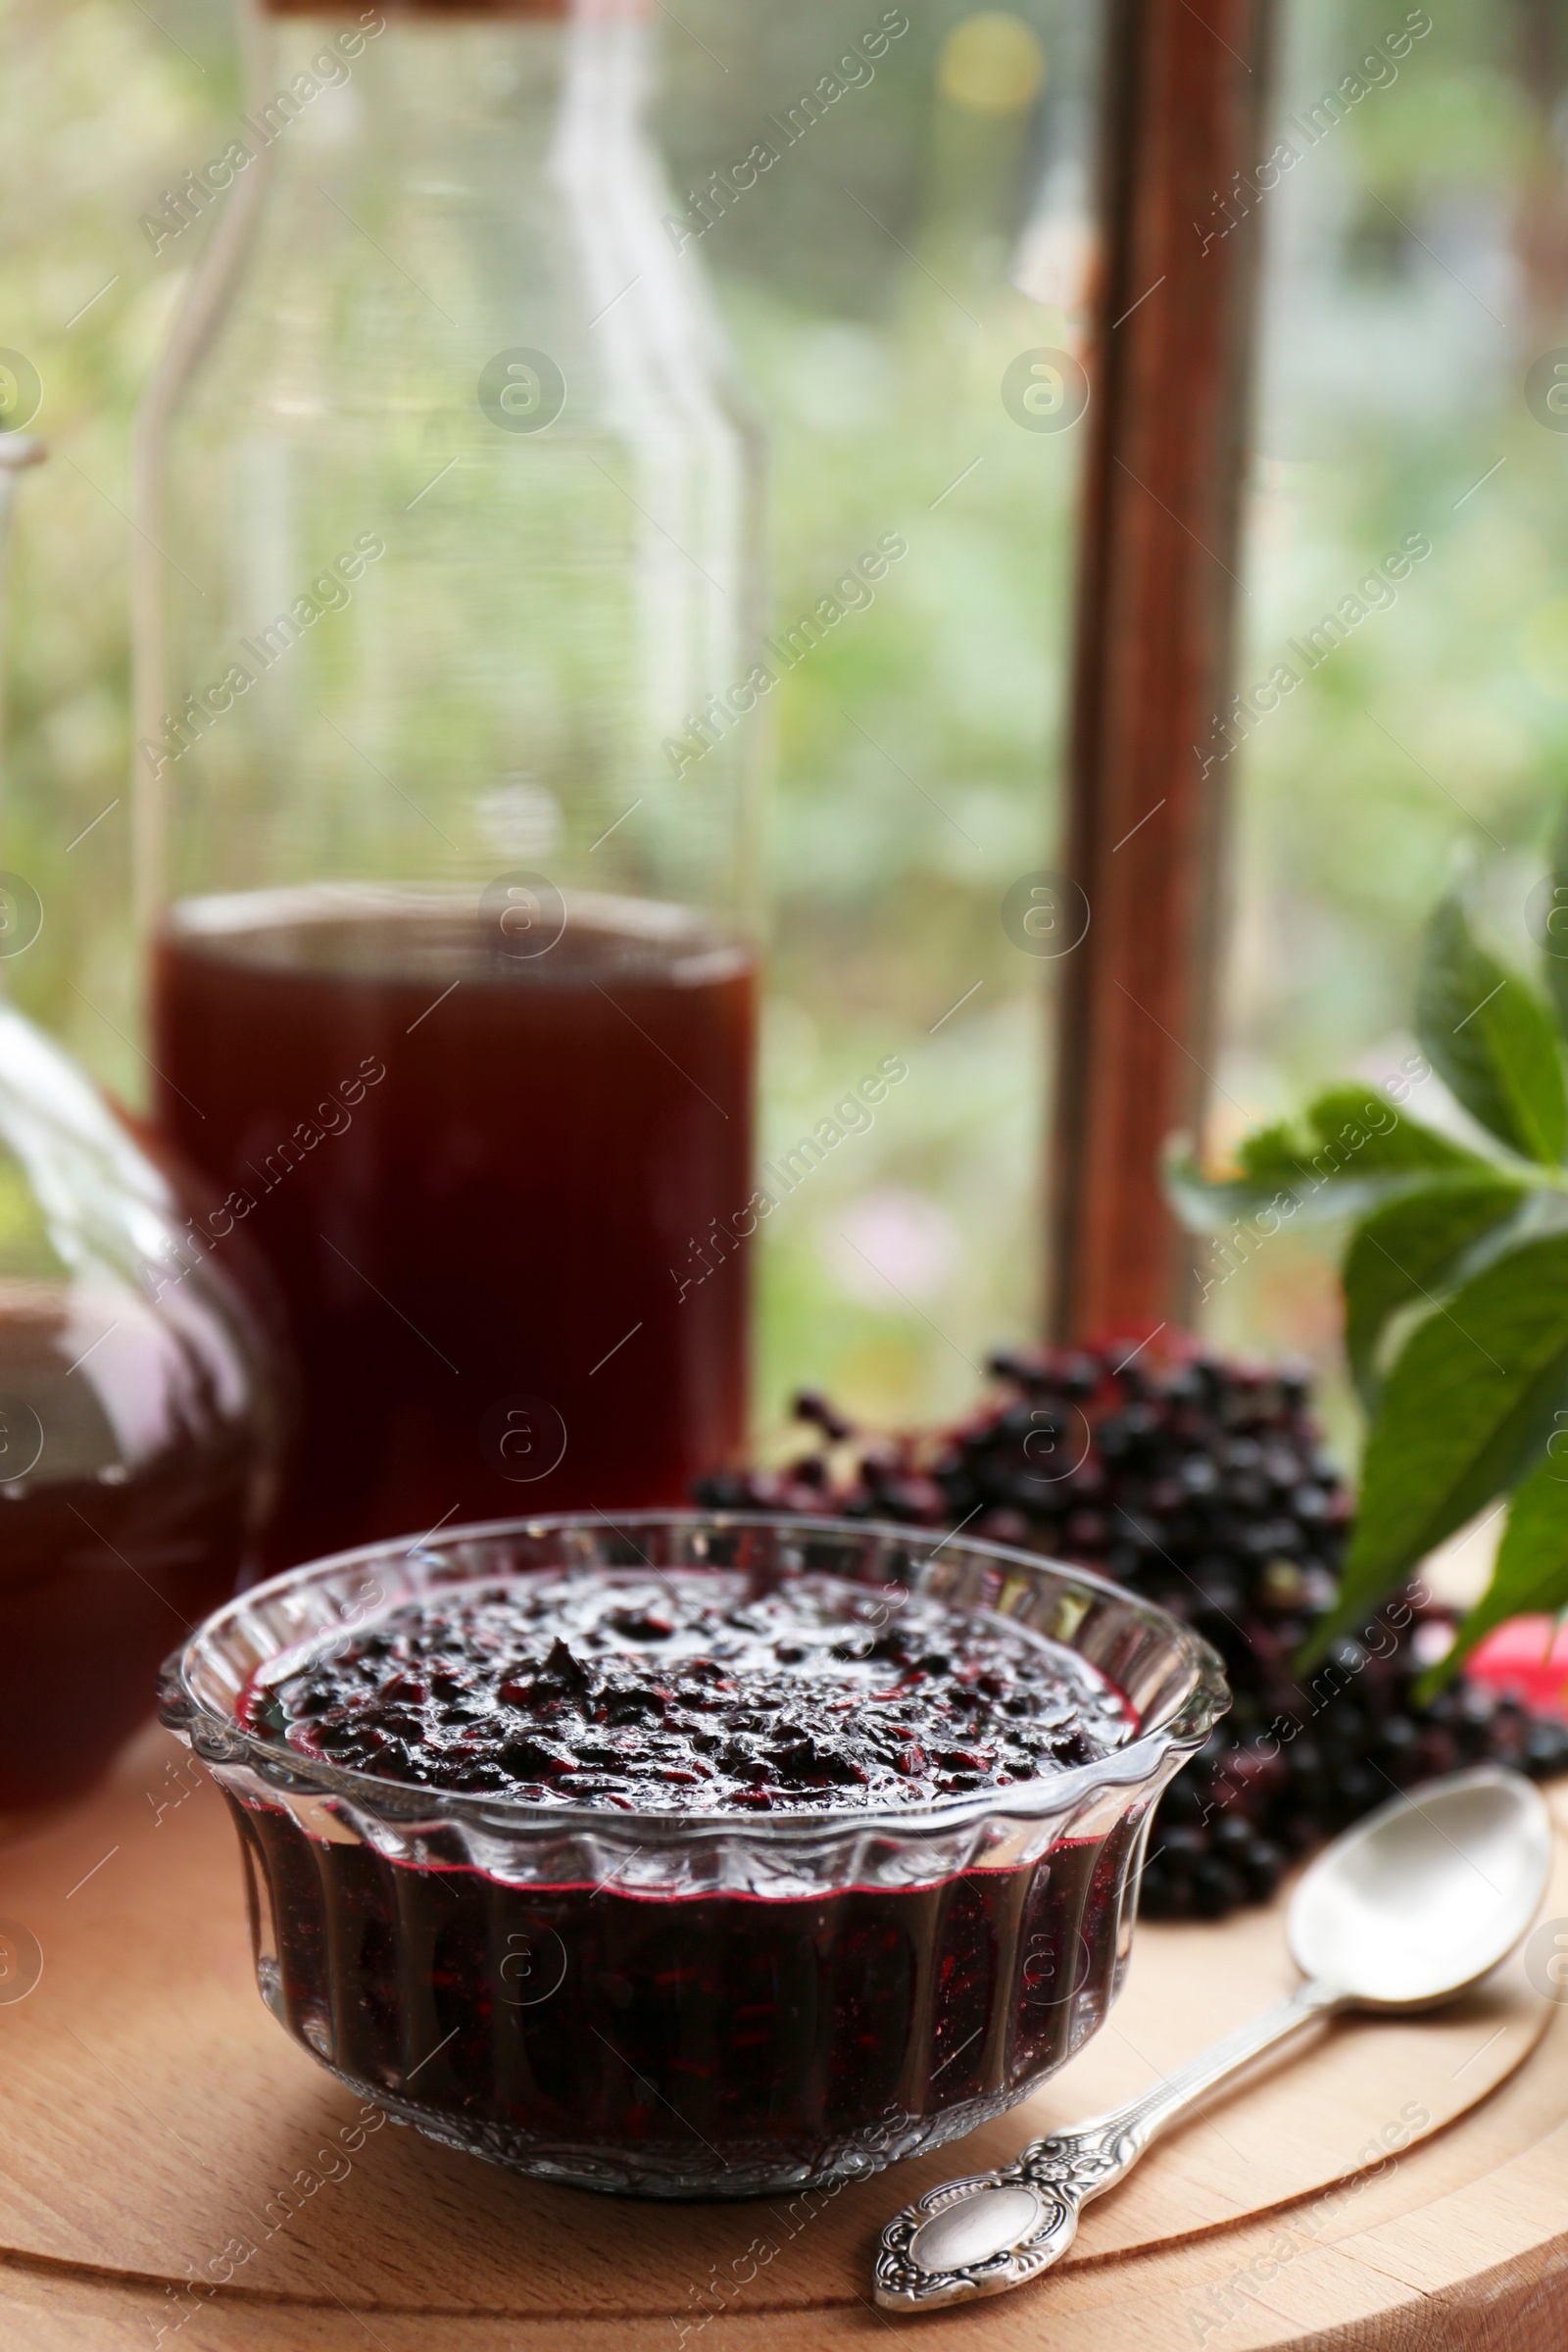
<point x="994" y="2231"/>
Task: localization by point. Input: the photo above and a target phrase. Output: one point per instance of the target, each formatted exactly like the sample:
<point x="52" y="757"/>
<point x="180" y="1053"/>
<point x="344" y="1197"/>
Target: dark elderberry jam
<point x="769" y="2025"/>
<point x="694" y="1692"/>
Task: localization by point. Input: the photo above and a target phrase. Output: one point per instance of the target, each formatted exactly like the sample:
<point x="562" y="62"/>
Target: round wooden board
<point x="175" y="2170"/>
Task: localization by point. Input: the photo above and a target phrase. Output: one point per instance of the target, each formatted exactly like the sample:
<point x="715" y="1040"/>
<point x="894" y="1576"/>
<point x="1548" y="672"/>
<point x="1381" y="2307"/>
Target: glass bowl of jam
<point x="696" y="1856"/>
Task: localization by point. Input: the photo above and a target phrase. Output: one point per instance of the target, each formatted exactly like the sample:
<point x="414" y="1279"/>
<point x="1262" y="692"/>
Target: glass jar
<point x="446" y="646"/>
<point x="136" y="1425"/>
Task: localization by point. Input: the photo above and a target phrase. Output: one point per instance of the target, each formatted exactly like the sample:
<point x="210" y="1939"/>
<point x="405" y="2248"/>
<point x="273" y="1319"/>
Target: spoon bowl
<point x="1418" y="1902"/>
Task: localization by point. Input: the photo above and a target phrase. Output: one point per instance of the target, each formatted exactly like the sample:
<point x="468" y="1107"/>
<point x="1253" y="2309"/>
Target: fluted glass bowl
<point x="690" y="2004"/>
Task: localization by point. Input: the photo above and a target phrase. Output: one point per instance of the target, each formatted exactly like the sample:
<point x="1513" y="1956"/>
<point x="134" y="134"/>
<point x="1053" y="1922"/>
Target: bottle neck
<point x="406" y="81"/>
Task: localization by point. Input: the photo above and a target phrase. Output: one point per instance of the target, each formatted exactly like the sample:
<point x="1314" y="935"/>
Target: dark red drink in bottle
<point x="482" y="1182"/>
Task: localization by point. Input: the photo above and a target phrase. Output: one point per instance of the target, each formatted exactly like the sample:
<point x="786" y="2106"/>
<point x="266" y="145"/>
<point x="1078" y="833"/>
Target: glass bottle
<point x="448" y="677"/>
<point x="137" y="1423"/>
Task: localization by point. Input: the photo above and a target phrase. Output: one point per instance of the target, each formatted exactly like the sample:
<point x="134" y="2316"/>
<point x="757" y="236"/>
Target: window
<point x="1404" y="557"/>
<point x="887" y="280"/>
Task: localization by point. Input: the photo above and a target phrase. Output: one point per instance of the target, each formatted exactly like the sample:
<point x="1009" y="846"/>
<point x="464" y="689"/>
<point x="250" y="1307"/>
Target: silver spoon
<point x="1406" y="1910"/>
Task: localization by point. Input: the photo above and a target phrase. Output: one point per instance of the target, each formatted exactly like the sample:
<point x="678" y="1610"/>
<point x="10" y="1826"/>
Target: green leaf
<point x="1353" y="1149"/>
<point x="1552" y="927"/>
<point x="1370" y="1134"/>
<point x="1532" y="1570"/>
<point x="1407" y="1251"/>
<point x="1467" y="1410"/>
<point x="1492" y="1036"/>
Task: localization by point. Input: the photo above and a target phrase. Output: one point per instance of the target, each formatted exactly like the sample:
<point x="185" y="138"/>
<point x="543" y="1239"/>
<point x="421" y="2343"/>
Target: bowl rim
<point x="181" y="1710"/>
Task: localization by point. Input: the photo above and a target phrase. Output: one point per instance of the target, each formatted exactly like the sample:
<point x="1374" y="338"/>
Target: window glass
<point x="903" y="282"/>
<point x="890" y="282"/>
<point x="1404" y="662"/>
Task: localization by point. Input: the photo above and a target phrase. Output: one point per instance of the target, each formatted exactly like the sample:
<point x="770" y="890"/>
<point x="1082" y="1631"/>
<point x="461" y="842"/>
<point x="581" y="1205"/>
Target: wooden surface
<point x="1184" y="117"/>
<point x="1400" y="2185"/>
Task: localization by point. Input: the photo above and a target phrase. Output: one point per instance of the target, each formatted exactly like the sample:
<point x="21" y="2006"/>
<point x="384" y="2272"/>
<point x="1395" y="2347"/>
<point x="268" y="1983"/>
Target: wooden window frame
<point x="1184" y="118"/>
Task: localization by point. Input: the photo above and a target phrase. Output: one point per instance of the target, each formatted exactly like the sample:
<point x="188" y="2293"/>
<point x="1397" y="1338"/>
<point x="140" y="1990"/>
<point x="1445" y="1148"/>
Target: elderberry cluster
<point x="1201" y="1485"/>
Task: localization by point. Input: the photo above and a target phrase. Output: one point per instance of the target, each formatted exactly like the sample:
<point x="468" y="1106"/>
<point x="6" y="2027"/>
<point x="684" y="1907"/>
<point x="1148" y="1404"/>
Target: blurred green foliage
<point x="1416" y="264"/>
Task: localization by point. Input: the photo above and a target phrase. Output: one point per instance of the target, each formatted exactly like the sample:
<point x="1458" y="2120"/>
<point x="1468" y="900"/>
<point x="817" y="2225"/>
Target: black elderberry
<point x="810" y="1405"/>
<point x="1397" y="1744"/>
<point x="1546" y="1748"/>
<point x="1183" y="1806"/>
<point x="1217" y="1888"/>
<point x="1262" y="1866"/>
